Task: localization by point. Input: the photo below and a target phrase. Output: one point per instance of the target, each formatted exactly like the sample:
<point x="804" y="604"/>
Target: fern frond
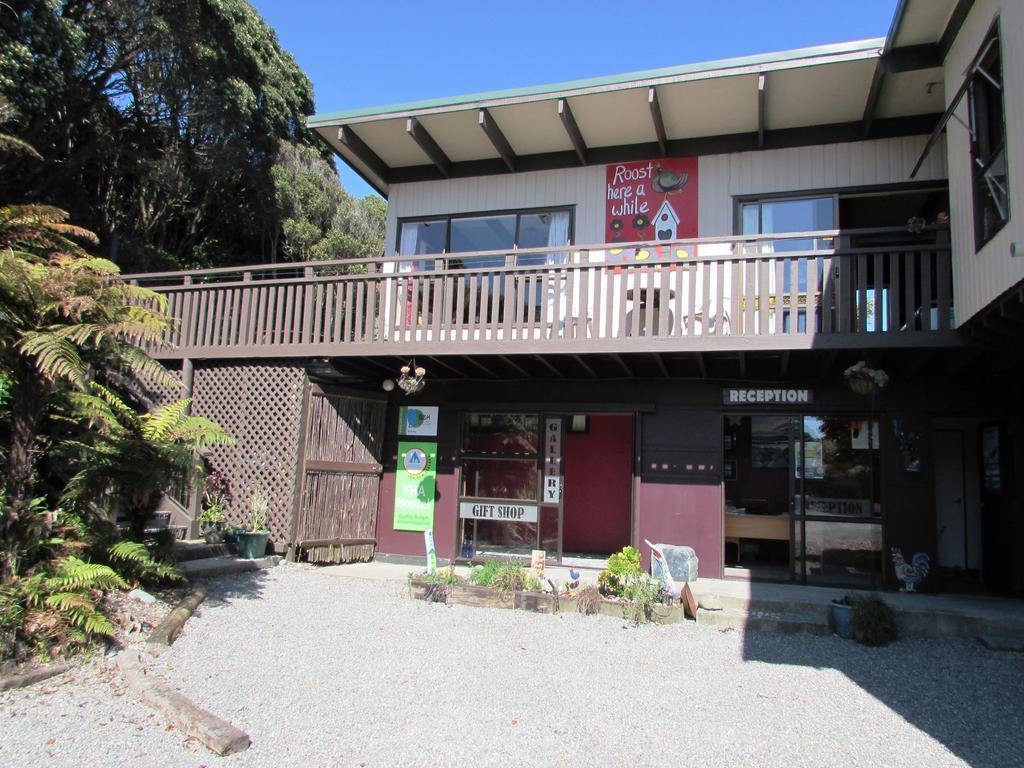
<point x="165" y="420"/>
<point x="148" y="369"/>
<point x="75" y="574"/>
<point x="144" y="565"/>
<point x="15" y="145"/>
<point x="56" y="358"/>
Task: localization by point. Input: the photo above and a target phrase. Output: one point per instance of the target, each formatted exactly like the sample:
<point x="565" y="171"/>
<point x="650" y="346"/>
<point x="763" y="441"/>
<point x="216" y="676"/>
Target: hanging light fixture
<point x="411" y="378"/>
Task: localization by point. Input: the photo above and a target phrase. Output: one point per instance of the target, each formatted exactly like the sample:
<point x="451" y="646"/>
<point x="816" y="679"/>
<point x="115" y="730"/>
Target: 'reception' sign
<point x="757" y="396"/>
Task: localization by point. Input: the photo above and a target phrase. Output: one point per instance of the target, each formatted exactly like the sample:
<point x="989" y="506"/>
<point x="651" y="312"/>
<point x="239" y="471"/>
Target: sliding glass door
<point x="838" y="523"/>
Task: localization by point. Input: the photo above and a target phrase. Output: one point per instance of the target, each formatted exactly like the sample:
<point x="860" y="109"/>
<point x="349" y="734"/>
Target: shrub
<point x="588" y="600"/>
<point x="55" y="610"/>
<point x="623" y="568"/>
<point x="483" y="575"/>
<point x="642" y="594"/>
<point x="512" y="577"/>
<point x="872" y="621"/>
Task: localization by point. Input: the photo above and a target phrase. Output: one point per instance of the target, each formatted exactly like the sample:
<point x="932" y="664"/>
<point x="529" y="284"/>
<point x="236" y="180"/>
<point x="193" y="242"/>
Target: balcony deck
<point x="775" y="292"/>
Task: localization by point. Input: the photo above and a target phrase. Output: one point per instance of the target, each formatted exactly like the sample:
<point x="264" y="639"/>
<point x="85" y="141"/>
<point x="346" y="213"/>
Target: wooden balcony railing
<point x="797" y="290"/>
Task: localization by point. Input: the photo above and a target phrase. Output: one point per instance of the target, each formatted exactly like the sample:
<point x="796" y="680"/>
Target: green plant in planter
<point x="484" y="575"/>
<point x="253" y="543"/>
<point x="623" y="568"/>
<point x="642" y="594"/>
<point x="510" y="577"/>
<point x="216" y="496"/>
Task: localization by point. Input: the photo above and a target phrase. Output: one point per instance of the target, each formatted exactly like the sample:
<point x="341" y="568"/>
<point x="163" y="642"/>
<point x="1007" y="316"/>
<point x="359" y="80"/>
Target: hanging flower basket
<point x="864" y="380"/>
<point x="863" y="386"/>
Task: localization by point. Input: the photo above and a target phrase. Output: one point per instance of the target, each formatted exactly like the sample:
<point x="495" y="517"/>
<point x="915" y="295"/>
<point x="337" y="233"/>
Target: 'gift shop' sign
<point x="505" y="510"/>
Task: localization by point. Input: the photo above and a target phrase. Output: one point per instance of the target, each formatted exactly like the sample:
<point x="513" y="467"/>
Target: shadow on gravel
<point x="224" y="590"/>
<point x="967" y="698"/>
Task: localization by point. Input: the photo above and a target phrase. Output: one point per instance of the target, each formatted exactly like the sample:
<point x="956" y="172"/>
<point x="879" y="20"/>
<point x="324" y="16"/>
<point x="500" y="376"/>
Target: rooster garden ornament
<point x="912" y="573"/>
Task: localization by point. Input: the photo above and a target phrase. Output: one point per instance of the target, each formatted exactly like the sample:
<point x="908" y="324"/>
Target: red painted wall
<point x="689" y="515"/>
<point x="392" y="542"/>
<point x="598" y="467"/>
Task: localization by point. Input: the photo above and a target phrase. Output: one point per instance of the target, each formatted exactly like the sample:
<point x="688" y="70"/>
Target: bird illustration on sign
<point x="912" y="573"/>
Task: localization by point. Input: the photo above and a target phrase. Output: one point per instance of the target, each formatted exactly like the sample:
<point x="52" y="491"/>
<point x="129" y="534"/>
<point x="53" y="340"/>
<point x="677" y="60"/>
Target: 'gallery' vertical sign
<point x="552" y="461"/>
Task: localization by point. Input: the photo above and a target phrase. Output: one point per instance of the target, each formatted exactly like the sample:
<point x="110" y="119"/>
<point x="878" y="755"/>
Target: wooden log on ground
<point x="219" y="736"/>
<point x="483" y="597"/>
<point x="28" y="677"/>
<point x="168" y="630"/>
<point x="430" y="591"/>
<point x="537" y="602"/>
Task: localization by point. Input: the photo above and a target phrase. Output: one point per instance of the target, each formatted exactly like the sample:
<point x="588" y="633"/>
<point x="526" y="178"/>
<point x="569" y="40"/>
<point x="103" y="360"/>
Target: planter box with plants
<point x="252" y="543"/>
<point x="624" y="591"/>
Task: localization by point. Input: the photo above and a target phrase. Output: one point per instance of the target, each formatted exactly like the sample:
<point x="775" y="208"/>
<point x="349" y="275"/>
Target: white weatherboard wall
<point x="882" y="161"/>
<point x="983" y="276"/>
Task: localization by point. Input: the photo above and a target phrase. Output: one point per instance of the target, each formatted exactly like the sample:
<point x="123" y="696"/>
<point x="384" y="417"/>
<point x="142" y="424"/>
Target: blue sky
<point x="362" y="54"/>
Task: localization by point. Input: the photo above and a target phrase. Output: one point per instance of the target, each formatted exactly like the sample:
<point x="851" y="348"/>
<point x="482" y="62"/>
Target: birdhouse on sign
<point x="665" y="222"/>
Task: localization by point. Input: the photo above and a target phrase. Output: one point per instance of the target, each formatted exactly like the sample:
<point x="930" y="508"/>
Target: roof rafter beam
<point x="701" y="366"/>
<point x="514" y="366"/>
<point x="497" y="138"/>
<point x="661" y="366"/>
<point x="583" y="364"/>
<point x="573" y="130"/>
<point x="550" y="366"/>
<point x="430" y="148"/>
<point x="909" y="58"/>
<point x="871" y="104"/>
<point x="762" y="88"/>
<point x="656" y="118"/>
<point x="622" y="363"/>
<point x="956" y="20"/>
<point x="365" y="155"/>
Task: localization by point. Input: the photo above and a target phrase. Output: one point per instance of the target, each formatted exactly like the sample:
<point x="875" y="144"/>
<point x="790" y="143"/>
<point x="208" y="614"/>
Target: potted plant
<point x="253" y="542"/>
<point x="211" y="525"/>
<point x="216" y="497"/>
<point x="840" y="616"/>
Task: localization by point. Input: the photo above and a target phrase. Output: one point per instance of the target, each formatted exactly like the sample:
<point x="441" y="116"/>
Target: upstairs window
<point x="988" y="143"/>
<point x="790" y="215"/>
<point x="470" y="233"/>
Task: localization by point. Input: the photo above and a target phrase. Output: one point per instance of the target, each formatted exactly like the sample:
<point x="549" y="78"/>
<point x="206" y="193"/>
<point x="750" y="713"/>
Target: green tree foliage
<point x="68" y="347"/>
<point x="159" y="122"/>
<point x="318" y="219"/>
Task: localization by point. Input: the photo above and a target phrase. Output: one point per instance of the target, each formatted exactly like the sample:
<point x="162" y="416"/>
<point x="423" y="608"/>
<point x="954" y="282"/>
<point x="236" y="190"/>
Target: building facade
<point x="765" y="307"/>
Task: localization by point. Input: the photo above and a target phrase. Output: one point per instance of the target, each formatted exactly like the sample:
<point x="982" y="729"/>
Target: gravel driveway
<point x="326" y="670"/>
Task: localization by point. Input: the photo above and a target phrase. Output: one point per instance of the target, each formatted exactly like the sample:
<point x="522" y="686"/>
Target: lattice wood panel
<point x="260" y="404"/>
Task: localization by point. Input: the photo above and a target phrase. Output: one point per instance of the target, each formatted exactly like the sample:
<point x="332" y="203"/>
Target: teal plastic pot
<point x="841" y="620"/>
<point x="252" y="545"/>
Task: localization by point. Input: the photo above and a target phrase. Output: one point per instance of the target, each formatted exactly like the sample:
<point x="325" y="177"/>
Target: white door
<point x="950" y="501"/>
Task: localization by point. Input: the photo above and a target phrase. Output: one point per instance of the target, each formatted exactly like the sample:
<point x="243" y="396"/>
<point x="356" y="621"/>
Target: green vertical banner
<point x="415" y="481"/>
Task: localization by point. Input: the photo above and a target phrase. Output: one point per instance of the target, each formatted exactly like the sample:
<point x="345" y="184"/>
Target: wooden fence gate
<point x="336" y="514"/>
